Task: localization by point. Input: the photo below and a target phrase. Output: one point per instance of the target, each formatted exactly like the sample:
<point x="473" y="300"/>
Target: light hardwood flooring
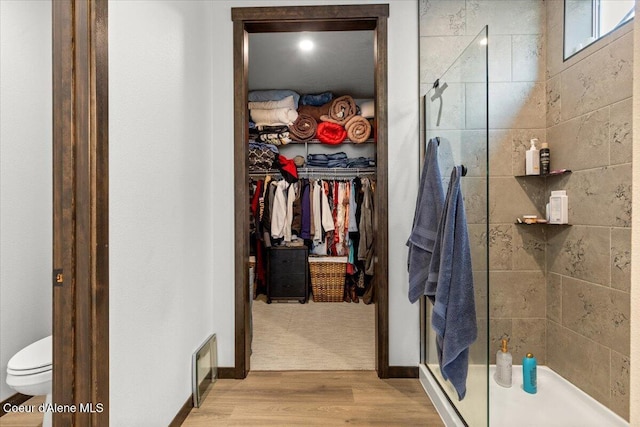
<point x="308" y="398"/>
<point x="16" y="419"/>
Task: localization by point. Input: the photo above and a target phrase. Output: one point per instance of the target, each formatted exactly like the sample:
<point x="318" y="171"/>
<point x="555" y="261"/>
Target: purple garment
<point x="305" y="230"/>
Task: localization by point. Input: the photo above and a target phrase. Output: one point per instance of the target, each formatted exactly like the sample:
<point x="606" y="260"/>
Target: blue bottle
<point x="529" y="374"/>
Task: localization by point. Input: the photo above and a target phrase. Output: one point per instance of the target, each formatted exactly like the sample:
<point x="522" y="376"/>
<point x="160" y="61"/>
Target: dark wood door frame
<point x="309" y="18"/>
<point x="80" y="211"/>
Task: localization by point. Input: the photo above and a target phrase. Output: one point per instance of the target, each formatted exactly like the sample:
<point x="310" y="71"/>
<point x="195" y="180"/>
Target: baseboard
<point x="226" y="373"/>
<point x="183" y="413"/>
<point x="403" y="372"/>
<point x="16" y="399"/>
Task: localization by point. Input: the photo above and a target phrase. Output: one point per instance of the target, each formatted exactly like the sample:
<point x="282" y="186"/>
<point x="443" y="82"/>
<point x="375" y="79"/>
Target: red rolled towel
<point x="331" y="133"/>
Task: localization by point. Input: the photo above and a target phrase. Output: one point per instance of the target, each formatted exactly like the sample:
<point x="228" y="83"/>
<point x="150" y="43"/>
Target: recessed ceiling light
<point x="305" y="45"/>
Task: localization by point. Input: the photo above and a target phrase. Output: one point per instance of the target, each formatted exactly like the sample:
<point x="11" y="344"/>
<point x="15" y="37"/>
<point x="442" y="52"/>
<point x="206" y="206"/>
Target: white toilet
<point x="30" y="372"/>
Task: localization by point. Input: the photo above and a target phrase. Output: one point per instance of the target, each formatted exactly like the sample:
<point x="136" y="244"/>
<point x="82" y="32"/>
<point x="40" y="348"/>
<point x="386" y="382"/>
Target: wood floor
<point x="310" y="398"/>
<point x="16" y="419"/>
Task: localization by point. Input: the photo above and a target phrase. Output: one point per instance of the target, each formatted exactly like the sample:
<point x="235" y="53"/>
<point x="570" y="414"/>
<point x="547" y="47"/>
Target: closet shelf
<point x="320" y="172"/>
<point x="317" y="141"/>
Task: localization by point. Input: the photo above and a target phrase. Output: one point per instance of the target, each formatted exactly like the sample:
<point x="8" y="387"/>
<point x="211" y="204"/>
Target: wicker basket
<point x="327" y="278"/>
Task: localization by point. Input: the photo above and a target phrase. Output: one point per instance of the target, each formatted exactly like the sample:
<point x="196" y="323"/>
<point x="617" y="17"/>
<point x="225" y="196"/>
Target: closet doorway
<point x="246" y="21"/>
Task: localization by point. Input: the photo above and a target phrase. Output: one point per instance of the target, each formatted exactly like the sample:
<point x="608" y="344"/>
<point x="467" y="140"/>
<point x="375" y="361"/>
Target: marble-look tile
<point x="500" y="153"/>
<point x="501" y="247"/>
<point x="467" y="147"/>
<point x="437" y="54"/>
<point x="620" y="384"/>
<point x="442" y="17"/>
<point x="554" y="297"/>
<point x="598" y="313"/>
<point x="528" y="58"/>
<point x="478" y="350"/>
<point x="474" y="191"/>
<point x="517" y="294"/>
<point x="554" y="101"/>
<point x="529" y="248"/>
<point x="517" y="105"/>
<point x="621" y="133"/>
<point x="478" y="246"/>
<point x="521" y="142"/>
<point x="580" y="360"/>
<point x="621" y="259"/>
<point x="528" y="336"/>
<point x="476" y="106"/>
<point x="554" y="36"/>
<point x="581" y="143"/>
<point x="599" y="196"/>
<point x="480" y="291"/>
<point x="500" y="59"/>
<point x="499" y="329"/>
<point x="599" y="80"/>
<point x="510" y="198"/>
<point x="505" y="17"/>
<point x="580" y="252"/>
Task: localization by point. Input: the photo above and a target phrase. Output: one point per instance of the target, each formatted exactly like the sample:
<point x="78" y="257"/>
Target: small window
<point x="585" y="21"/>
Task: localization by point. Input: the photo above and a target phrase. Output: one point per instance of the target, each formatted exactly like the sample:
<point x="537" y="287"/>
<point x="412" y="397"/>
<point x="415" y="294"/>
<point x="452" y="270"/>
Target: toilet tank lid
<point x="36" y="355"/>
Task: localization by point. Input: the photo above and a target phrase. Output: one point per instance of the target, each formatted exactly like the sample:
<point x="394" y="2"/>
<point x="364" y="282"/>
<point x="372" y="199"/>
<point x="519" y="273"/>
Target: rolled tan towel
<point x="315" y="112"/>
<point x="358" y="129"/>
<point x="272" y="105"/>
<point x="304" y="128"/>
<point x="342" y="109"/>
<point x="276" y="117"/>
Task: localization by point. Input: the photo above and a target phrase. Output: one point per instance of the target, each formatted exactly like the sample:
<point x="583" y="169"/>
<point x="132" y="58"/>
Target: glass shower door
<point x="456" y="112"/>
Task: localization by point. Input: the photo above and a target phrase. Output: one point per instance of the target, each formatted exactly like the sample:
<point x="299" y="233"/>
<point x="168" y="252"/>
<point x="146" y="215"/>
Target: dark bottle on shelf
<point x="545" y="159"/>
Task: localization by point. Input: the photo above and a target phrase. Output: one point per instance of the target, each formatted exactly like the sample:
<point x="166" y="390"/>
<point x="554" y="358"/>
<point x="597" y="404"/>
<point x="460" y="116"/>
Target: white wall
<point x="162" y="170"/>
<point x="25" y="182"/>
<point x="403" y="171"/>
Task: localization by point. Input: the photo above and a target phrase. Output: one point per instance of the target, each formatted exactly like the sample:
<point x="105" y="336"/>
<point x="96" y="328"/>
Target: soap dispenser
<point x="532" y="163"/>
<point x="504" y="363"/>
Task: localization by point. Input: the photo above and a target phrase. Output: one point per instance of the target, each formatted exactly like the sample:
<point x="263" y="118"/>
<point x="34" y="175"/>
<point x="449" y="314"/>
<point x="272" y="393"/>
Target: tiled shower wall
<point x="588" y="265"/>
<point x="516" y="114"/>
<point x="559" y="292"/>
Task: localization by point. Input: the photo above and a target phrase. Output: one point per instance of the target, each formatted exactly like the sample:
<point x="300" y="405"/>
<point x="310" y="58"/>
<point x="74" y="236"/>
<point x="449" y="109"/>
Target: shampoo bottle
<point x="545" y="159"/>
<point x="532" y="163"/>
<point x="504" y="363"/>
<point x="529" y="374"/>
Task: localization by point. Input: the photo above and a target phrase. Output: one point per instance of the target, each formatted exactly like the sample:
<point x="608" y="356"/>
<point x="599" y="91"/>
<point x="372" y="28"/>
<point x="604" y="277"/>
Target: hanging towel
<point x="425" y="222"/>
<point x="450" y="285"/>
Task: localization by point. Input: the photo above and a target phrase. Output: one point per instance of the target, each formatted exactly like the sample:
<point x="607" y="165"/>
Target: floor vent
<point x="204" y="367"/>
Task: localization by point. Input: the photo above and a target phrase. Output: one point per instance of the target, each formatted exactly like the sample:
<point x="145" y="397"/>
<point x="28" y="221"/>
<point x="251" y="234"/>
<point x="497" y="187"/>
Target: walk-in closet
<point x="312" y="154"/>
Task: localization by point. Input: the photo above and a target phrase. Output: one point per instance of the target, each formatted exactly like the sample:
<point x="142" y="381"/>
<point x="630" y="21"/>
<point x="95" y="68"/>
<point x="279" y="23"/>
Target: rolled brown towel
<point x="304" y="128"/>
<point x="358" y="129"/>
<point x="342" y="109"/>
<point x="315" y="112"/>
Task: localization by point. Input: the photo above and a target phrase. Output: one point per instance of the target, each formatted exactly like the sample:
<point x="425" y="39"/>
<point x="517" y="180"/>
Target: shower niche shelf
<point x="553" y="173"/>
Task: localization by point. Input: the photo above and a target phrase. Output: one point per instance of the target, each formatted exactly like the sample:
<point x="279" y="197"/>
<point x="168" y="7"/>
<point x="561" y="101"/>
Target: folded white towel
<point x="367" y="108"/>
<point x="272" y="105"/>
<point x="276" y="117"/>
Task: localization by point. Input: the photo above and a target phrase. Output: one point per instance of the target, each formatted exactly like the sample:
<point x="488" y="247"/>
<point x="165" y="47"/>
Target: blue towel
<point x="450" y="284"/>
<point x="425" y="222"/>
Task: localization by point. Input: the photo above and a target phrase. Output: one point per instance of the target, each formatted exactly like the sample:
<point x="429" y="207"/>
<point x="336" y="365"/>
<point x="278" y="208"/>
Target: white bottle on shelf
<point x="504" y="366"/>
<point x="532" y="161"/>
<point x="559" y="207"/>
